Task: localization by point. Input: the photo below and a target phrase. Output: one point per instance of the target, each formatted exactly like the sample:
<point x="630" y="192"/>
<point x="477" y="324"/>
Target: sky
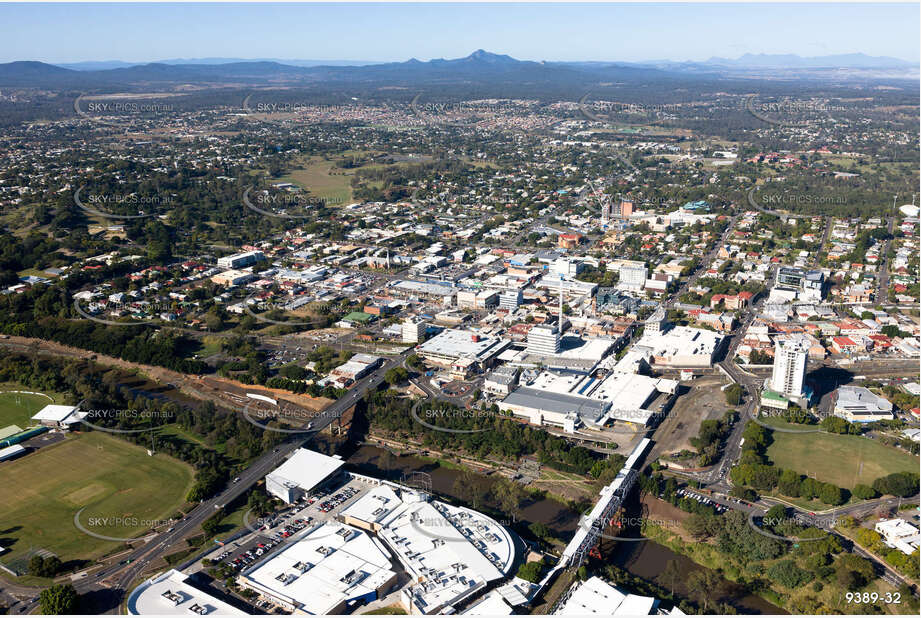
<point x="397" y="32"/>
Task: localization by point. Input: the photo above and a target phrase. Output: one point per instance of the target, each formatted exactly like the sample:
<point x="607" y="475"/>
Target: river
<point x="644" y="559"/>
<point x="378" y="462"/>
<point x="648" y="559"/>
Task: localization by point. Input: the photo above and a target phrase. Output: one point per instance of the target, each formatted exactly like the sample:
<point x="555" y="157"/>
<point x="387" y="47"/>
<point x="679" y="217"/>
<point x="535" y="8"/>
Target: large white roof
<point x="459" y="343"/>
<point x="169" y="594"/>
<point x="452" y="552"/>
<point x="306" y="469"/>
<point x="331" y="564"/>
<point x="594" y="596"/>
<point x="54" y="413"/>
<point x="492" y="604"/>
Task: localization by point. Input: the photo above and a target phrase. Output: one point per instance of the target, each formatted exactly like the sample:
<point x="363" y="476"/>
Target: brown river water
<point x="645" y="559"/>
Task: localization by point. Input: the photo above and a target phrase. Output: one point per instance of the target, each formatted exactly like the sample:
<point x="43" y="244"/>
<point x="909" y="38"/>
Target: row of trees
<point x="38" y="313"/>
<point x="872" y="540"/>
<point x="754" y="470"/>
<point x="493" y="435"/>
<point x="224" y="439"/>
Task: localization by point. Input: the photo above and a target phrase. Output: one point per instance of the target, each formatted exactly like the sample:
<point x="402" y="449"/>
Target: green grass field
<point x="42" y="491"/>
<point x="839" y="459"/>
<point x="18" y="409"/>
<point x="315" y="177"/>
<point x="174" y="431"/>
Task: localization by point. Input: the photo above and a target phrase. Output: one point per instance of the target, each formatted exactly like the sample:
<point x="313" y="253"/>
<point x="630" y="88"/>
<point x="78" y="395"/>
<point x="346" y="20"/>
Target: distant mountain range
<point x="791" y="65"/>
<point x="102" y="65"/>
<point x="792" y="61"/>
<point x="779" y="61"/>
<point x="479" y="68"/>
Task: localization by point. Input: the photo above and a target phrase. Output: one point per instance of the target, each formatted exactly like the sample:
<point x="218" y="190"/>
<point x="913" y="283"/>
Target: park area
<point x="842" y="460"/>
<point x="323" y="181"/>
<point x="18" y="408"/>
<point x="112" y="478"/>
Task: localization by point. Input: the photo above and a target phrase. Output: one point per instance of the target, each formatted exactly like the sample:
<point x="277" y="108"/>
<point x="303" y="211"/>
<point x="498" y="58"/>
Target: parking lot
<point x="285" y="525"/>
<point x="691" y="495"/>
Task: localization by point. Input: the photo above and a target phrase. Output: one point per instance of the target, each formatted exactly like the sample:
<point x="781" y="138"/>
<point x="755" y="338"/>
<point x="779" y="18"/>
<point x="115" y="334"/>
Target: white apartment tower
<point x="790" y="367"/>
<point x="544" y="340"/>
<point x="510" y="299"/>
<point x="632" y="276"/>
<point x="413" y="330"/>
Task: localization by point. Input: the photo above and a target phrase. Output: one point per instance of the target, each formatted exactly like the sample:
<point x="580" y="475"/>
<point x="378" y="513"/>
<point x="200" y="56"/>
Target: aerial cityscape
<point x="483" y="309"/>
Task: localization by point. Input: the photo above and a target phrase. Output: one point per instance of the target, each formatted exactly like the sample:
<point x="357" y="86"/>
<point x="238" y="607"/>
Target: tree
<point x="775" y="516"/>
<point x="864" y="492"/>
<point x="789" y="483"/>
<point x="705" y="587"/>
<point x="831" y="494"/>
<point x="294" y="372"/>
<point x="891" y="330"/>
<point x="213" y="523"/>
<point x="749" y="495"/>
<point x="903" y="484"/>
<point x="213" y="320"/>
<point x="697" y="525"/>
<point x="530" y="571"/>
<point x="733" y="394"/>
<point x="853" y="571"/>
<point x="58" y="599"/>
<point x="539" y="529"/>
<point x="835" y="424"/>
<point x="44" y="567"/>
<point x="396" y="375"/>
<point x="787" y="574"/>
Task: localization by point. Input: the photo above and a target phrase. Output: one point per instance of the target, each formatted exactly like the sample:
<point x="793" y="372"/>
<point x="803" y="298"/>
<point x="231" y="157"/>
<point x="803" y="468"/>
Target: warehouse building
<point x="233" y="278"/>
<point x="680" y="346"/>
<point x="501" y="380"/>
<point x="327" y="571"/>
<point x="240" y="260"/>
<point x="304" y="471"/>
<point x="357" y="367"/>
<point x="899" y="534"/>
<point x="462" y="350"/>
<point x="595" y="597"/>
<point x="485" y="299"/>
<point x="11" y="452"/>
<point x="542" y="407"/>
<point x="172" y="594"/>
<point x="860" y="405"/>
<point x="424" y="289"/>
<point x="570" y="399"/>
<point x="452" y="553"/>
<point x="59" y="417"/>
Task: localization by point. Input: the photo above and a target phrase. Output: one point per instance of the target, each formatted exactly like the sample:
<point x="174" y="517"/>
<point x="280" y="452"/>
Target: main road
<point x="882" y="283"/>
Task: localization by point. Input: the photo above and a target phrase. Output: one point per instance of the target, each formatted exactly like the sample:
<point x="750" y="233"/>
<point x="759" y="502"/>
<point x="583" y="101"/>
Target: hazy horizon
<point x="374" y="33"/>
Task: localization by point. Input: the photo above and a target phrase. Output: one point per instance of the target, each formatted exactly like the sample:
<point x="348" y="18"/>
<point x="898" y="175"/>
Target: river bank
<point x="559" y="518"/>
